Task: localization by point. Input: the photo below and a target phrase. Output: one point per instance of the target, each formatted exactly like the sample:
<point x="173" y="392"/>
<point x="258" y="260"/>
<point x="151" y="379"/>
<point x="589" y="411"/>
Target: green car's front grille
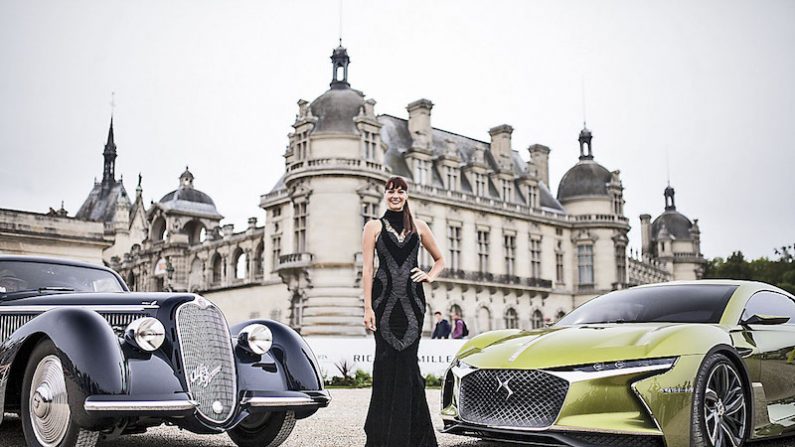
<point x="511" y="398"/>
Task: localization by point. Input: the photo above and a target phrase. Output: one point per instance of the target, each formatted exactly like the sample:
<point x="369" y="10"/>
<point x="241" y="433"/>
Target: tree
<point x="779" y="272"/>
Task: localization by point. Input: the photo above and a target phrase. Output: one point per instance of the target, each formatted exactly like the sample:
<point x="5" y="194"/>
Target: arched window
<point x="218" y="266"/>
<point x="241" y="264"/>
<point x="484" y="319"/>
<point x="511" y="319"/>
<point x="560" y="315"/>
<point x="195" y="231"/>
<point x="158" y="229"/>
<point x="258" y="261"/>
<point x="537" y="319"/>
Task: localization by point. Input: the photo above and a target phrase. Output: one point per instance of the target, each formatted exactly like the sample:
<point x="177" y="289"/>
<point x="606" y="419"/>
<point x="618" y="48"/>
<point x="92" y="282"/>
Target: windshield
<point x="16" y="276"/>
<point x="687" y="303"/>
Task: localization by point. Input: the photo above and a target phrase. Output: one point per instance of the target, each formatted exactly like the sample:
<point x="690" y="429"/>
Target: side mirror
<point x="766" y="320"/>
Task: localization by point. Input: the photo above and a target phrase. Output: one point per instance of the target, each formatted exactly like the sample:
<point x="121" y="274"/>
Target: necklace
<point x="400" y="237"/>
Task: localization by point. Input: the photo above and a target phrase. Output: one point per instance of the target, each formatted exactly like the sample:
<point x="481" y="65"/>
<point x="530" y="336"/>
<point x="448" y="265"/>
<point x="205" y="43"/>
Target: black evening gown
<point x="398" y="415"/>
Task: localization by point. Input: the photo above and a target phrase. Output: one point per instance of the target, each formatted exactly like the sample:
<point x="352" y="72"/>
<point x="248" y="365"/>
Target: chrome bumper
<point x="253" y="401"/>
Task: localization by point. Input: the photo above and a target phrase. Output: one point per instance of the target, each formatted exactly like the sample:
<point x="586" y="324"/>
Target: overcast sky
<point x="214" y="85"/>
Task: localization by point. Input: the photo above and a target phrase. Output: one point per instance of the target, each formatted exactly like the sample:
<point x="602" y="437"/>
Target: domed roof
<point x="586" y="178"/>
<point x="186" y="199"/>
<point x="676" y="223"/>
<point x="335" y="110"/>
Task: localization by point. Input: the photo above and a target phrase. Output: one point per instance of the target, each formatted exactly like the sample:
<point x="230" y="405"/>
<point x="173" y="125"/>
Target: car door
<point x="775" y="351"/>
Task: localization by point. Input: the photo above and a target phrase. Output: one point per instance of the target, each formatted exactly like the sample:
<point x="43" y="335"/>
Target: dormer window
<point x="480" y="185"/>
<point x="451" y="177"/>
<point x="422" y="170"/>
<point x="507" y="190"/>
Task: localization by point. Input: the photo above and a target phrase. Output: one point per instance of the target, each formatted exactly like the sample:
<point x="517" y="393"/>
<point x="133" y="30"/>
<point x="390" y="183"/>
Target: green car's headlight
<point x="462" y="365"/>
<point x="663" y="363"/>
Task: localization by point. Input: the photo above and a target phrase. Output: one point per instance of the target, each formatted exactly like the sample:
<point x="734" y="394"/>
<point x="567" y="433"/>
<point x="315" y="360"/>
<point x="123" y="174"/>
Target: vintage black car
<point x="84" y="359"/>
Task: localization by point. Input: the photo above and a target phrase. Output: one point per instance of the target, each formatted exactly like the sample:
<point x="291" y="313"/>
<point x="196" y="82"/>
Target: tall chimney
<point x="539" y="154"/>
<point x="420" y="122"/>
<point x="501" y="144"/>
<point x="645" y="234"/>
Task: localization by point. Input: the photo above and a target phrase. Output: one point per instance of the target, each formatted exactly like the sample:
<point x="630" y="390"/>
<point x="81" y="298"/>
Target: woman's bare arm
<point x="430" y="244"/>
<point x="369" y="233"/>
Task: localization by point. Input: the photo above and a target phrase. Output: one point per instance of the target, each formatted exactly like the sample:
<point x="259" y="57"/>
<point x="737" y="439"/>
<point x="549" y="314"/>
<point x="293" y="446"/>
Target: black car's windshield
<point x="42" y="277"/>
<point x="685" y="303"/>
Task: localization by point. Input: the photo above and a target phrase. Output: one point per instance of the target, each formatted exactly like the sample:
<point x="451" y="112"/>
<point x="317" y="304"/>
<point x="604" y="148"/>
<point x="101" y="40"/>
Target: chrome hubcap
<point x="724" y="407"/>
<point x="49" y="409"/>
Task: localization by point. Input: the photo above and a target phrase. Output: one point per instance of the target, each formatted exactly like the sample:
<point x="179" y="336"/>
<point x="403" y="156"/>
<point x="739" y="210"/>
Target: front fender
<point x="296" y="368"/>
<point x="89" y="351"/>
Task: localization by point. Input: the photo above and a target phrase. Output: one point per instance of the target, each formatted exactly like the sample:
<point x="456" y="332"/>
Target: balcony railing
<point x="294" y="260"/>
<point x="486" y="277"/>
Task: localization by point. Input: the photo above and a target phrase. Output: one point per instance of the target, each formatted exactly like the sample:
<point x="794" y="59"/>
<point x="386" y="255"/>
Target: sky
<point x="698" y="92"/>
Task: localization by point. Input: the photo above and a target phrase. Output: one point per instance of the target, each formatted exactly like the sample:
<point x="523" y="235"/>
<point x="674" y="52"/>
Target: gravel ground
<point x="339" y="425"/>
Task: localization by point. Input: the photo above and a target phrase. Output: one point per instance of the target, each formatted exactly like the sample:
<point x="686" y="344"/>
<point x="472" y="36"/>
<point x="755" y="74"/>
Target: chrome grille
<point x="511" y="398"/>
<point x="206" y="349"/>
<point x="119" y="321"/>
<point x="9" y="323"/>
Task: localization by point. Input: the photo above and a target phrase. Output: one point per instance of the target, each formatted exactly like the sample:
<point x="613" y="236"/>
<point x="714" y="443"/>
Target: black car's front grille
<point x="207" y="357"/>
<point x="511" y="398"/>
<point x="119" y="321"/>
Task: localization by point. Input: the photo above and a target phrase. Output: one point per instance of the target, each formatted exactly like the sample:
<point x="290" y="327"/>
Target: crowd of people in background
<point x="443" y="329"/>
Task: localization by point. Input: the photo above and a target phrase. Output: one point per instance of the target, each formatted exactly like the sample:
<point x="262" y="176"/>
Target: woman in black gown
<point x="394" y="308"/>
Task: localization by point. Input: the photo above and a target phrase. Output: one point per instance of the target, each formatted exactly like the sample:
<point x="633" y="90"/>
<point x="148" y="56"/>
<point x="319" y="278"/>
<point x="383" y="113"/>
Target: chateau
<point x="517" y="254"/>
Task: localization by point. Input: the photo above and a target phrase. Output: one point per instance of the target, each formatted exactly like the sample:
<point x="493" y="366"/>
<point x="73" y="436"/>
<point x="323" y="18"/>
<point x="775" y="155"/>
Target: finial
<point x="139" y="179"/>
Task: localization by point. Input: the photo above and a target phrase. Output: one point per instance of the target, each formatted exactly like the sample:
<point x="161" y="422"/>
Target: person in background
<point x="460" y="329"/>
<point x="442" y="327"/>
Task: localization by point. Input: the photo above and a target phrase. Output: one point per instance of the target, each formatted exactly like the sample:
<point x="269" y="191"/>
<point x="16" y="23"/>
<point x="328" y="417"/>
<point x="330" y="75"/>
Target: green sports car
<point x="700" y="363"/>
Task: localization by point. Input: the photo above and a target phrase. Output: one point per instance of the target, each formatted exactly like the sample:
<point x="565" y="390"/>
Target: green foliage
<point x="434" y="381"/>
<point x="780" y="272"/>
<point x="360" y="379"/>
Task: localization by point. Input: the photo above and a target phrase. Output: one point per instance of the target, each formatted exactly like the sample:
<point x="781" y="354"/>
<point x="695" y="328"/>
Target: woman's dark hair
<point x="400" y="182"/>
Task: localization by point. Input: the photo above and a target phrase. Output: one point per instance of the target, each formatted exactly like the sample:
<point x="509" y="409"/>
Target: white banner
<point x="434" y="356"/>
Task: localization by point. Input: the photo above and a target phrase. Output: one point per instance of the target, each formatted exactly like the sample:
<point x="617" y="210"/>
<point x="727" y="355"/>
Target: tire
<point x="721" y="410"/>
<point x="45" y="413"/>
<point x="263" y="430"/>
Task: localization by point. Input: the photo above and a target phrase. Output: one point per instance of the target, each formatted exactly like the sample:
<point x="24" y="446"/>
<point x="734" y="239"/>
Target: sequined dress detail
<point x="398" y="415"/>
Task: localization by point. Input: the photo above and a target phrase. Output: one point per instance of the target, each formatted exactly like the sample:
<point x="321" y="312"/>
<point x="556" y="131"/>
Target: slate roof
<point x="395" y="134"/>
<point x="677" y="224"/>
<point x="100" y="205"/>
<point x="586" y="178"/>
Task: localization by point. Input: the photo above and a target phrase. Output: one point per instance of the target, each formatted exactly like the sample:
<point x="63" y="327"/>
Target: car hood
<point x="100" y="299"/>
<point x="584" y="344"/>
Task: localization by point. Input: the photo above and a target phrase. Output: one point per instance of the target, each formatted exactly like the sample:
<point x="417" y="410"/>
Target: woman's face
<point x="395" y="198"/>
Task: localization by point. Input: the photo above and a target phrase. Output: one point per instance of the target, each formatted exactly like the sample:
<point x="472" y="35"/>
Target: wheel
<point x="46" y="417"/>
<point x="720" y="413"/>
<point x="263" y="430"/>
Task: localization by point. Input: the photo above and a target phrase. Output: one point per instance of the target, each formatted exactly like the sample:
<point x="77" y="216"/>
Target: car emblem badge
<point x="203" y="375"/>
<point x="504" y="385"/>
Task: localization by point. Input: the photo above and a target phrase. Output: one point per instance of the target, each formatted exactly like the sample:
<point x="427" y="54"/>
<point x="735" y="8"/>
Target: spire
<point x="586" y="153"/>
<point x="109" y="170"/>
<point x="669" y="198"/>
<point x="339" y="62"/>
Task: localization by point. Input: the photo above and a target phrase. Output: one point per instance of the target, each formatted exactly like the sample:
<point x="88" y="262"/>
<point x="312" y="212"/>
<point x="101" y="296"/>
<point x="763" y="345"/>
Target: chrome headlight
<point x="662" y="363"/>
<point x="145" y="333"/>
<point x="256" y="338"/>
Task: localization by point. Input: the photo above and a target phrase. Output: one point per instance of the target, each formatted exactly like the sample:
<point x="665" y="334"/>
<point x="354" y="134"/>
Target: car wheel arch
<point x="13" y="386"/>
<point x="736" y="360"/>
